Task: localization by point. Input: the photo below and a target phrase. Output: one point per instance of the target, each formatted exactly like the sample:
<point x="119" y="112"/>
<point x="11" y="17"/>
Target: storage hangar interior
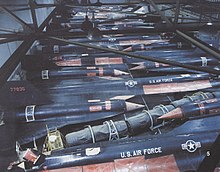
<point x="110" y="85"/>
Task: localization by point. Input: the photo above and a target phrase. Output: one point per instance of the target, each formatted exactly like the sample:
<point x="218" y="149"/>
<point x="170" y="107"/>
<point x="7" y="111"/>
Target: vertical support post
<point x="33" y="14"/>
<point x="177" y="12"/>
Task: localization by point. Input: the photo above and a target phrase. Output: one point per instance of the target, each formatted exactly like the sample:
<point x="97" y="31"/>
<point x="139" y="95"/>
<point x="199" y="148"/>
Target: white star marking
<point x="191" y="145"/>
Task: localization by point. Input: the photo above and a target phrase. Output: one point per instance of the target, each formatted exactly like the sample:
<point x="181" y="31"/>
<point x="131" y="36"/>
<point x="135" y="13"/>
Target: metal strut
<point x="183" y="35"/>
<point x="153" y="59"/>
<point x="113" y="132"/>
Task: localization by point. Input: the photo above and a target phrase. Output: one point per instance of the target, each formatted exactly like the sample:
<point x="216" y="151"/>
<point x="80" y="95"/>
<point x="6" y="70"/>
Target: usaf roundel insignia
<point x="191" y="146"/>
<point x="131" y="83"/>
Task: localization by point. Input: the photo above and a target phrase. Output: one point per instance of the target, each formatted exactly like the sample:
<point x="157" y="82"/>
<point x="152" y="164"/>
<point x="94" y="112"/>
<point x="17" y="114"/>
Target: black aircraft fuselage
<point x="181" y="149"/>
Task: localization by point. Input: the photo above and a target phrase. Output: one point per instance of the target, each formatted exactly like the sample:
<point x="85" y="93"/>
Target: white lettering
<point x="129" y="154"/>
<point x="145" y="151"/>
<point x="161" y="80"/>
<point x="158" y="150"/>
<point x="134" y="153"/>
<point x="123" y="155"/>
<point x="139" y="152"/>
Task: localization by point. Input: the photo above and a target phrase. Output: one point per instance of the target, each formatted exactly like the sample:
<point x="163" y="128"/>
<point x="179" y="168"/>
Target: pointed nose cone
<point x="137" y="63"/>
<point x="122" y="97"/>
<point x="129" y="49"/>
<point x="139" y="67"/>
<point x="174" y="114"/>
<point x="119" y="72"/>
<point x="133" y="106"/>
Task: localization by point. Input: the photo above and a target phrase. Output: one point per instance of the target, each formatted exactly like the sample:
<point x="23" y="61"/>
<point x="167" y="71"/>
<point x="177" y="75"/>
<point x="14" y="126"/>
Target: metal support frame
<point x="16" y="18"/>
<point x="7" y="40"/>
<point x="177" y="12"/>
<point x="12" y="5"/>
<point x="20" y="52"/>
<point x="31" y="30"/>
<point x="33" y="14"/>
<point x="24" y="5"/>
<point x="159" y="60"/>
<point x="188" y="38"/>
<point x="15" y="58"/>
<point x="11" y="35"/>
<point x="98" y="3"/>
<point x="46" y="21"/>
<point x="199" y="44"/>
<point x="201" y="15"/>
<point x="9" y="66"/>
<point x="165" y="9"/>
<point x="7" y="30"/>
<point x="36" y="6"/>
<point x="160" y="12"/>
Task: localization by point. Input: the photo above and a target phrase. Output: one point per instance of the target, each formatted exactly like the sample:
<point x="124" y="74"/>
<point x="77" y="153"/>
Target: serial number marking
<point x="160" y="80"/>
<point x="134" y="153"/>
<point x="17" y="89"/>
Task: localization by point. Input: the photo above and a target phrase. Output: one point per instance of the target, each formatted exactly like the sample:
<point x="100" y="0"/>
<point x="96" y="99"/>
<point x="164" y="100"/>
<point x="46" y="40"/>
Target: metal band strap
<point x="29" y="113"/>
<point x="125" y="117"/>
<point x="204" y="95"/>
<point x="56" y="49"/>
<point x="84" y="55"/>
<point x="162" y="108"/>
<point x="189" y="97"/>
<point x="153" y="127"/>
<point x="45" y="74"/>
<point x="113" y="133"/>
<point x="200" y="93"/>
<point x="151" y="119"/>
<point x="92" y="133"/>
<point x="158" y="126"/>
<point x="204" y="61"/>
<point x="179" y="44"/>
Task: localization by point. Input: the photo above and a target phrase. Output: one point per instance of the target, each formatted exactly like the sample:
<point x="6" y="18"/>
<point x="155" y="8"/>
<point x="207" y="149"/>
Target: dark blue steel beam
<point x="20" y="52"/>
<point x="172" y="63"/>
<point x="16" y="18"/>
<point x="33" y="14"/>
<point x="197" y="43"/>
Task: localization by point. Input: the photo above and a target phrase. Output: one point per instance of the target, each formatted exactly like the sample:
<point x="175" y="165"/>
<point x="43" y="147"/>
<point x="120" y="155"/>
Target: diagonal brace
<point x="16" y="18"/>
<point x="159" y="60"/>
